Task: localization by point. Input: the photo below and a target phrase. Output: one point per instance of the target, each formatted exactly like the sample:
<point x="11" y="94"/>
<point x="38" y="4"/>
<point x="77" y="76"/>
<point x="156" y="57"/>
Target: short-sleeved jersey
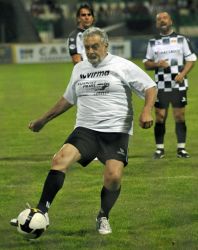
<point x="103" y="93"/>
<point x="176" y="49"/>
<point x="75" y="43"/>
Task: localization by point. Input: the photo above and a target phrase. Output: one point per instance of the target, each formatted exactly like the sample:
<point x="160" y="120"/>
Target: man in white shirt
<point x="101" y="88"/>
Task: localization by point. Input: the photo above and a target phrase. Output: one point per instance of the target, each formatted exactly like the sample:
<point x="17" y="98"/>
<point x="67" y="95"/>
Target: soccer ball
<point x="31" y="223"/>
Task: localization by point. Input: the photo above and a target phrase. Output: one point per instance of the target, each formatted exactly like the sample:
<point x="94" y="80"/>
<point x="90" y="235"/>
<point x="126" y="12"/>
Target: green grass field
<point x="158" y="205"/>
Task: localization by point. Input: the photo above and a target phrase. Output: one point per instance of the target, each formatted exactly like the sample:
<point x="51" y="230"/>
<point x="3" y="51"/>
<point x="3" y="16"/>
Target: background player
<point x="85" y="19"/>
<point x="172" y="58"/>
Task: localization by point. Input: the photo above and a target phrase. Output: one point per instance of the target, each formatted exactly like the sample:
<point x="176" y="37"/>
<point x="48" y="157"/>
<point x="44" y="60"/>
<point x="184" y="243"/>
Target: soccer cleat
<point x="14" y="221"/>
<point x="103" y="226"/>
<point x="181" y="153"/>
<point x="159" y="154"/>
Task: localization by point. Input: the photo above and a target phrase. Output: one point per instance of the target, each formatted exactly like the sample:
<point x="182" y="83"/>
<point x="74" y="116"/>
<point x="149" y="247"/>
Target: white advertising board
<point x="120" y="48"/>
<point x="55" y="52"/>
<point x="41" y="53"/>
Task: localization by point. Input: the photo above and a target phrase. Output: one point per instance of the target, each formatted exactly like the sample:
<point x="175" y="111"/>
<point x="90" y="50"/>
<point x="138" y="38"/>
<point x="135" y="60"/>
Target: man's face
<point x="85" y="19"/>
<point x="164" y="22"/>
<point x="95" y="49"/>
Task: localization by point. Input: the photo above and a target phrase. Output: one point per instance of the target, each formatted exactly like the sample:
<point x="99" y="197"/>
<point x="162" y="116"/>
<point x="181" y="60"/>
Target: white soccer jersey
<point x="103" y="93"/>
<point x="176" y="50"/>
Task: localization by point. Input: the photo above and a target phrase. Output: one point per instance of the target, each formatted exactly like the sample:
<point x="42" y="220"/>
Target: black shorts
<point x="178" y="99"/>
<point x="104" y="146"/>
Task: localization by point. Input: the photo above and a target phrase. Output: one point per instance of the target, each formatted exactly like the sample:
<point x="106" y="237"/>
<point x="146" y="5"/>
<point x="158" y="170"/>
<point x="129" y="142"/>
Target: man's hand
<point x="146" y="125"/>
<point x="146" y="120"/>
<point x="36" y="126"/>
<point x="179" y="78"/>
<point x="162" y="64"/>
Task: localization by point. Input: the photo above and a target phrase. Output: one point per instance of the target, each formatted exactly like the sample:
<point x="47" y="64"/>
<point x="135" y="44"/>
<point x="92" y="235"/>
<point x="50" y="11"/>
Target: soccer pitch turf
<point x="158" y="205"/>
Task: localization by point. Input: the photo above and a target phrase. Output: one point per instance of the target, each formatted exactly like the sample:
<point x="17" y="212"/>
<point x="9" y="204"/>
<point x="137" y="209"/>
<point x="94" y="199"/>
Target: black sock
<point x="159" y="131"/>
<point x="52" y="185"/>
<point x="181" y="130"/>
<point x="108" y="199"/>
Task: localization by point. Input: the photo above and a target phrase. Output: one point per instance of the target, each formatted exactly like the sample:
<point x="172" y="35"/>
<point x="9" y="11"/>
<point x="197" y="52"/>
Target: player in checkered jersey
<point x="85" y="19"/>
<point x="172" y="58"/>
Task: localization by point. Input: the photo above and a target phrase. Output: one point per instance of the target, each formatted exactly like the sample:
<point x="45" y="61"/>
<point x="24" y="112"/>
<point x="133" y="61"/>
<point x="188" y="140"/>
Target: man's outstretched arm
<point x="60" y="107"/>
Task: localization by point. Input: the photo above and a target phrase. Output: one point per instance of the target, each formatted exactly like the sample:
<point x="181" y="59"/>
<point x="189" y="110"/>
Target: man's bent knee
<point x="113" y="175"/>
<point x="65" y="157"/>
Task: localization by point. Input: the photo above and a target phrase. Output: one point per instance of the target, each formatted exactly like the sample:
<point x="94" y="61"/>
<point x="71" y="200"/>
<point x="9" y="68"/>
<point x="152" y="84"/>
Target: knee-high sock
<point x="108" y="199"/>
<point x="159" y="132"/>
<point x="181" y="130"/>
<point x="52" y="185"/>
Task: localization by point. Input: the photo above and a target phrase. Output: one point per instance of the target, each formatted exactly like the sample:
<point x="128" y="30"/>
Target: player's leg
<point x="109" y="193"/>
<point x="181" y="131"/>
<point x="159" y="131"/>
<point x="64" y="158"/>
<point x="179" y="102"/>
<point x="112" y="185"/>
<point x="113" y="150"/>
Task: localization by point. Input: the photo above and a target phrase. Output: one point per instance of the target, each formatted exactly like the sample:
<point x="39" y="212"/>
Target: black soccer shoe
<point x="159" y="154"/>
<point x="182" y="153"/>
<point x="14" y="222"/>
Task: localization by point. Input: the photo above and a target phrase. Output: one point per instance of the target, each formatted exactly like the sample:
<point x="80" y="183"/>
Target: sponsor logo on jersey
<point x="102" y="86"/>
<point x="95" y="74"/>
<point x="87" y="87"/>
<point x="171" y="51"/>
<point x="173" y="40"/>
<point x="158" y="42"/>
<point x="72" y="46"/>
<point x="183" y="99"/>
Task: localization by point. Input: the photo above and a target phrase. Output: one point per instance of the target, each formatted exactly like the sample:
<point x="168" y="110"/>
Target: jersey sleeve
<point x="189" y="54"/>
<point x="149" y="53"/>
<point x="72" y="44"/>
<point x="70" y="94"/>
<point x="138" y="80"/>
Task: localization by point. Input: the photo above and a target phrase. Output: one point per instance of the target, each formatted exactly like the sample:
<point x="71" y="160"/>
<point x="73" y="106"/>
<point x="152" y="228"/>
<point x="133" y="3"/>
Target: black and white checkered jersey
<point x="75" y="43"/>
<point x="176" y="49"/>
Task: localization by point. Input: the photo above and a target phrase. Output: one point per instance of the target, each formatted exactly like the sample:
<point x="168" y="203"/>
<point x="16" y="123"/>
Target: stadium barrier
<point x="58" y="52"/>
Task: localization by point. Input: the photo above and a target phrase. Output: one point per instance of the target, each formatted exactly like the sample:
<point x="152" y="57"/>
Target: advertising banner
<point x="120" y="48"/>
<point x="41" y="53"/>
<point x="46" y="53"/>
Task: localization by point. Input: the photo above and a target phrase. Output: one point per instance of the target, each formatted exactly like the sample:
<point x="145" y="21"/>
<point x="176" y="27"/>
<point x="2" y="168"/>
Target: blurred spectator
<point x="102" y="17"/>
<point x="139" y="18"/>
<point x="36" y="8"/>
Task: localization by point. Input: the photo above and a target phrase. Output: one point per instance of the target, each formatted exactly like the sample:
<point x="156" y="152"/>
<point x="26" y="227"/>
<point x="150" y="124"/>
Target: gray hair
<point x="96" y="31"/>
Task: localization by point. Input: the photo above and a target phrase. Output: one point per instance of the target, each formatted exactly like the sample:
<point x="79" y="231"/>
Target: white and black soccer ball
<point x="31" y="223"/>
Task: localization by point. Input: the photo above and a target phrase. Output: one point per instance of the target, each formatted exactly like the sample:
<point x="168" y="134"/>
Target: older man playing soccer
<point x="101" y="88"/>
